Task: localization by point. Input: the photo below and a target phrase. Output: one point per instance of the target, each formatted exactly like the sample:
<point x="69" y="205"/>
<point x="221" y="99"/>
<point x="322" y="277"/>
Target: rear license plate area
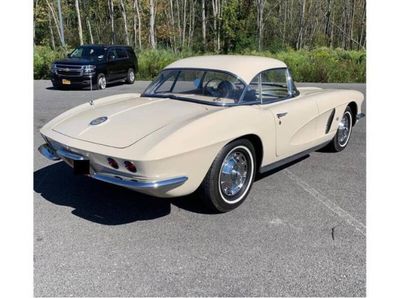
<point x="81" y="167"/>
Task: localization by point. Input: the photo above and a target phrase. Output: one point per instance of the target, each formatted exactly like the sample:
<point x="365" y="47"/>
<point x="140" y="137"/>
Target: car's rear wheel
<point x="101" y="82"/>
<point x="130" y="78"/>
<point x="343" y="132"/>
<point x="230" y="177"/>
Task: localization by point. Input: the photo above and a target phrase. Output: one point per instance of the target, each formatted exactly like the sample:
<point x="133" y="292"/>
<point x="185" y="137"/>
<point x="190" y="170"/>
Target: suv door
<point x="112" y="64"/>
<point x="123" y="63"/>
<point x="294" y="115"/>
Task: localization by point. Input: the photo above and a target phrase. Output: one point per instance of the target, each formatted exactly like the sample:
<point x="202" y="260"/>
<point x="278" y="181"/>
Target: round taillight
<point x="130" y="166"/>
<point x="112" y="163"/>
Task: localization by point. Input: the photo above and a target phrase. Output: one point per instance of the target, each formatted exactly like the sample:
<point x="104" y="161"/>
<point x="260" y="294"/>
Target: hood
<point x="128" y="120"/>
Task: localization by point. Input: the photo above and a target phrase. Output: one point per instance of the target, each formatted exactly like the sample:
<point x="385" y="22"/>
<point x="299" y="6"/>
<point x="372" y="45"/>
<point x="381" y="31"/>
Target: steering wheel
<point x="222" y="89"/>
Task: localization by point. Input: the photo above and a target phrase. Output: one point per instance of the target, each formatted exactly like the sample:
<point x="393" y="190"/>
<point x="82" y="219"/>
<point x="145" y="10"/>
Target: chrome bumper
<point x="169" y="183"/>
<point x="138" y="185"/>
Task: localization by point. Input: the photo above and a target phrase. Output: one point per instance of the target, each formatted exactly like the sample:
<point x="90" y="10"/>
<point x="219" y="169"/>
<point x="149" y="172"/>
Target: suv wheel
<point x="230" y="177"/>
<point x="101" y="81"/>
<point x="56" y="85"/>
<point x="130" y="78"/>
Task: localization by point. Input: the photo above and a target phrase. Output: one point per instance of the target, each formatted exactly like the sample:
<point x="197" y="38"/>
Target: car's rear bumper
<point x="120" y="180"/>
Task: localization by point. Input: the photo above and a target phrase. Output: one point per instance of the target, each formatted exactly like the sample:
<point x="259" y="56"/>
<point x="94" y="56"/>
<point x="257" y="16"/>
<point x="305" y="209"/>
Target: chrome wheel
<point x="344" y="129"/>
<point x="102" y="82"/>
<point x="235" y="174"/>
<point x="131" y="76"/>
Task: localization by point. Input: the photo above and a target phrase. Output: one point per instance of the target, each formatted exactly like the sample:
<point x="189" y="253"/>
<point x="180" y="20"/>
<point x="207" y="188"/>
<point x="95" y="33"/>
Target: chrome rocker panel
<point x="53" y="155"/>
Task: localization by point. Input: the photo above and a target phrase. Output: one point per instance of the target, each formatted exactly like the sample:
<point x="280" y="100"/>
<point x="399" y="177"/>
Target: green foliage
<point x="318" y="65"/>
<point x="42" y="58"/>
<point x="152" y="61"/>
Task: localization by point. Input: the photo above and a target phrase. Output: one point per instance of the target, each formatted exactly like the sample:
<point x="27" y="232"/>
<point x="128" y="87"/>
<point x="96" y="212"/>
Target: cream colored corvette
<point x="208" y="123"/>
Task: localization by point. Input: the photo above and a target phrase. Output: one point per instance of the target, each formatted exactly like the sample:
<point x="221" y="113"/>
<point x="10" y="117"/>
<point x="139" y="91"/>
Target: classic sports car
<point x="208" y="123"/>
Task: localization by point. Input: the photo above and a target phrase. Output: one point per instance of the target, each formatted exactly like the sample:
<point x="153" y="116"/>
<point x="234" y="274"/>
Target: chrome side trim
<point x="360" y="115"/>
<point x="70" y="155"/>
<point x="48" y="152"/>
<point x="289" y="159"/>
<point x="133" y="184"/>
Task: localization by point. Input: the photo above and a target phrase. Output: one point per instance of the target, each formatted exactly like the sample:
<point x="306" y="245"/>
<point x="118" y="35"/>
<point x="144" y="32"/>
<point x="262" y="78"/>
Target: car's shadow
<point x="77" y="88"/>
<point x="112" y="205"/>
<point x="104" y="203"/>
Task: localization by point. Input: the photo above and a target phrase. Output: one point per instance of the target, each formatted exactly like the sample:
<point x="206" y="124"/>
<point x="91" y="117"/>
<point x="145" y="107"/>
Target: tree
<point x="138" y="29"/>
<point x="201" y="25"/>
<point x="79" y="22"/>
<point x="152" y="24"/>
<point x="204" y="24"/>
<point x="260" y="22"/>
<point x="111" y="13"/>
<point x="125" y="22"/>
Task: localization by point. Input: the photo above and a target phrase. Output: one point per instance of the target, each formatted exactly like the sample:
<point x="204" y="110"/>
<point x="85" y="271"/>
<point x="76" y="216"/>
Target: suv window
<point x="121" y="54"/>
<point x="112" y="55"/>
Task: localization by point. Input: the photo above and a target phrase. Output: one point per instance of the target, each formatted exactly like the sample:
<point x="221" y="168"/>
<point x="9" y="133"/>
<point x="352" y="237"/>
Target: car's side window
<point x="274" y="84"/>
<point x="270" y="86"/>
<point x="252" y="94"/>
<point x="121" y="54"/>
<point x="112" y="55"/>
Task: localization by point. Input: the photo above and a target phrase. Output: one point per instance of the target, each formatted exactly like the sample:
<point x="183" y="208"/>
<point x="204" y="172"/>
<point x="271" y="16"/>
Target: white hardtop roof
<point x="245" y="67"/>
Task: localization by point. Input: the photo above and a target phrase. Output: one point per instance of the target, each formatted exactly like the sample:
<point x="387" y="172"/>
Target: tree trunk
<point x="90" y="30"/>
<point x="192" y="26"/>
<point x="34" y="19"/>
<point x="352" y="23"/>
<point x="139" y="22"/>
<point x="300" y="36"/>
<point x="173" y="29"/>
<point x="260" y="22"/>
<point x="152" y="24"/>
<point x="184" y="23"/>
<point x="53" y="14"/>
<point x="111" y="13"/>
<point x="362" y="37"/>
<point x="125" y="22"/>
<point x="78" y="14"/>
<point x="204" y="24"/>
<point x="284" y="24"/>
<point x="61" y="23"/>
<point x="53" y="44"/>
<point x="216" y="7"/>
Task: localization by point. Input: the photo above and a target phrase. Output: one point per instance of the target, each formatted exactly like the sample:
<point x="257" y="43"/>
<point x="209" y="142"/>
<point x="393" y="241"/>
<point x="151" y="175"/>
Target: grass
<point x="322" y="65"/>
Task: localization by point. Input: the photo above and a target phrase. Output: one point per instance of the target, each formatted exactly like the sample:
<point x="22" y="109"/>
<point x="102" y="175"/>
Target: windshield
<point x="208" y="86"/>
<point x="90" y="53"/>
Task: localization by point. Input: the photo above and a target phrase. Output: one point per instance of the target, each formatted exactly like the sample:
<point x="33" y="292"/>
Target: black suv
<point x="95" y="66"/>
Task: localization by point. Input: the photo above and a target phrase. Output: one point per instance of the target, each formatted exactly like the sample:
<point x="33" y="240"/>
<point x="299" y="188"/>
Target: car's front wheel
<point x="230" y="177"/>
<point x="343" y="132"/>
<point x="101" y="82"/>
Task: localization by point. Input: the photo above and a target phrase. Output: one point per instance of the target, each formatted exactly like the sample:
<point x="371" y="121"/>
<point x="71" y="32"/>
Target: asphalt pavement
<point x="301" y="231"/>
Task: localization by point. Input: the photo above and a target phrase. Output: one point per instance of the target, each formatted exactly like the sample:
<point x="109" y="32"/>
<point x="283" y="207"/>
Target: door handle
<point x="280" y="115"/>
